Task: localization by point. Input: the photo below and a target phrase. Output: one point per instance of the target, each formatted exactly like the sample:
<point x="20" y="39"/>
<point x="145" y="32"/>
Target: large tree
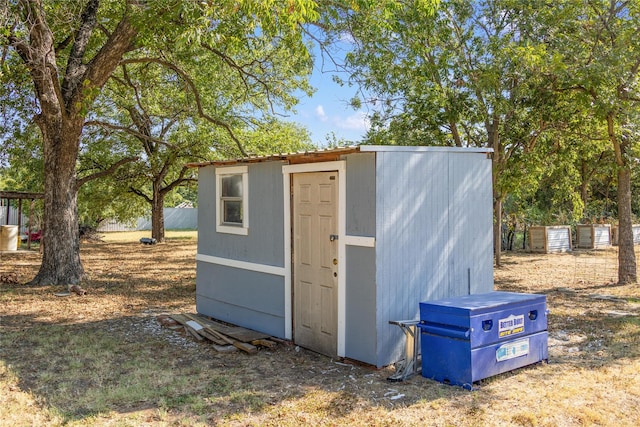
<point x="594" y="55"/>
<point x="66" y="51"/>
<point x="454" y="78"/>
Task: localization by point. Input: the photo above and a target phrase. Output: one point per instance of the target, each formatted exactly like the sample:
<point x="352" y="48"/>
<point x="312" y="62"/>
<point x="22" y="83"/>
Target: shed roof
<point x="20" y="195"/>
<point x="329" y="154"/>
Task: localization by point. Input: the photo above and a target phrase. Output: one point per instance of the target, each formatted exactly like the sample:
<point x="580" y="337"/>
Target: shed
<point x="593" y="236"/>
<point x="326" y="247"/>
<point x="549" y="239"/>
<point x="636" y="234"/>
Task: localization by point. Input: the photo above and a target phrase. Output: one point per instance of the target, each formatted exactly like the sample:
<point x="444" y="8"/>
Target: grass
<point x="103" y="359"/>
<point x="135" y="236"/>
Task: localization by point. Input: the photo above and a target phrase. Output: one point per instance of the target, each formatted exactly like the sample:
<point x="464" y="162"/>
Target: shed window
<point x="232" y="193"/>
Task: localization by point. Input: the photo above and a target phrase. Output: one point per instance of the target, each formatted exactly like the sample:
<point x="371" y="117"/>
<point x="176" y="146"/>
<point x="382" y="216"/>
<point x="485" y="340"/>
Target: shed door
<point x="315" y="265"/>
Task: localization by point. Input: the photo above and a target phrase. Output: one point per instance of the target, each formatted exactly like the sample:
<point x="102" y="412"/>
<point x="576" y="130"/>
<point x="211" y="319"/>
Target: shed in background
<point x="550" y="239"/>
<point x="593" y="236"/>
<point x="636" y="234"/>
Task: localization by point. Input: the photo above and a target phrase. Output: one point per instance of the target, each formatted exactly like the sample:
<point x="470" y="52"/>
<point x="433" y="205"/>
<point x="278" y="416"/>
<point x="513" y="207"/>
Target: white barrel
<point x="9" y="238"/>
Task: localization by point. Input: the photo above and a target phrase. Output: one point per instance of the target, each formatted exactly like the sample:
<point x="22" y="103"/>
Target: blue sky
<point x="328" y="110"/>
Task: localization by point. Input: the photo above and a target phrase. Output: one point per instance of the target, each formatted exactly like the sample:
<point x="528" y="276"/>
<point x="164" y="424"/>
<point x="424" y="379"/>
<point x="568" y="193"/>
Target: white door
<point x="315" y="266"/>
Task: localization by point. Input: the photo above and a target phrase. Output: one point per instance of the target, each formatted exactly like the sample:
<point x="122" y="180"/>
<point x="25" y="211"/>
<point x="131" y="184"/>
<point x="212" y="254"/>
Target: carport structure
<point x="20" y="196"/>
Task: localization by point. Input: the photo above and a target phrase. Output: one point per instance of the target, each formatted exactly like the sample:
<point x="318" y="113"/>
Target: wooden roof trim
<point x="20" y="195"/>
<point x="293" y="158"/>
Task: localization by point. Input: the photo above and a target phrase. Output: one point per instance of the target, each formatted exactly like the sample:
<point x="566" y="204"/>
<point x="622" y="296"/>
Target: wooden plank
<point x="193" y="332"/>
<point x="248" y="348"/>
<point x="179" y="318"/>
<point x="219" y="335"/>
<point x="211" y="337"/>
<point x="236" y="332"/>
<point x="212" y="331"/>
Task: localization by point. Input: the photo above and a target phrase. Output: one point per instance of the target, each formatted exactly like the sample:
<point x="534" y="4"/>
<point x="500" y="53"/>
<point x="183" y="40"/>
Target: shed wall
<point x="361" y="195"/>
<point x="265" y="242"/>
<point x="245" y="298"/>
<point x="550" y="239"/>
<point x="360" y="275"/>
<point x="593" y="236"/>
<point x="361" y="334"/>
<point x="252" y="299"/>
<point x="433" y="235"/>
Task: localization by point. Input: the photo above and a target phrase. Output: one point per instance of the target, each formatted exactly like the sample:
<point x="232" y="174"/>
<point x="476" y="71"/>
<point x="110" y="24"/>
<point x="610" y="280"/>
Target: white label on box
<point x="511" y="325"/>
<point x="512" y="350"/>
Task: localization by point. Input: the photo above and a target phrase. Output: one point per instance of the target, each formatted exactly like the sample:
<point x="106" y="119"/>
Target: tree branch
<point x="128" y="130"/>
<point x="100" y="68"/>
<point x="75" y="67"/>
<point x="80" y="182"/>
<point x="178" y="181"/>
<point x="196" y="94"/>
<point x="141" y="194"/>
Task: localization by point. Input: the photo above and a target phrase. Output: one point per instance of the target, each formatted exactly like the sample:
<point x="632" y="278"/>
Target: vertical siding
<point x="360" y="277"/>
<point x="433" y="224"/>
<point x="361" y="195"/>
<point x="593" y="236"/>
<point x="360" y="340"/>
<point x="602" y="236"/>
<point x="549" y="239"/>
<point x="559" y="239"/>
<point x="470" y="224"/>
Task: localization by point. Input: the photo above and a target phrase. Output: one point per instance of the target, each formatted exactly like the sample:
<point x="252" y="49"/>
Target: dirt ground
<point x="103" y="359"/>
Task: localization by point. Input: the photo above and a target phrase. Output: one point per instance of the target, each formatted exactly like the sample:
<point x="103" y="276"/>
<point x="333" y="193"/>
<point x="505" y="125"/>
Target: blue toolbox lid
<point x="481" y="303"/>
<point x="484" y="318"/>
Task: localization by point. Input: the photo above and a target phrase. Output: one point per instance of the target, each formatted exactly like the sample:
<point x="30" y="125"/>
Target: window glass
<point x="232" y="186"/>
<point x="232" y="211"/>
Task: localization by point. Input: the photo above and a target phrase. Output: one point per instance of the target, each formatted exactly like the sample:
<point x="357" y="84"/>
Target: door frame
<point x="287" y="170"/>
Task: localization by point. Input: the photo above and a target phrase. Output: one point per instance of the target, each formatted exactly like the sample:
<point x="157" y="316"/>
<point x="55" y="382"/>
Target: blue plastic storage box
<point x="469" y="338"/>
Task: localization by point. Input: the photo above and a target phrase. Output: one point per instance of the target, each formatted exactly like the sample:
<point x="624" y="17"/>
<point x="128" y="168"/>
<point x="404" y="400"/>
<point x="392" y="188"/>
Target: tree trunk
<point x="497" y="230"/>
<point x="61" y="263"/>
<point x="157" y="214"/>
<point x="496" y="166"/>
<point x="584" y="183"/>
<point x="626" y="251"/>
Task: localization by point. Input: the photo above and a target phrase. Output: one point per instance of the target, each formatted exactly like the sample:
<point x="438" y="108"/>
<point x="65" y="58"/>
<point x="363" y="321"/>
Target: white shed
<point x="593" y="236"/>
<point x="550" y="239"/>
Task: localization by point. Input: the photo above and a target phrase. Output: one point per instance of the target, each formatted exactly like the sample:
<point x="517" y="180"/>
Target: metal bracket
<point x="410" y="365"/>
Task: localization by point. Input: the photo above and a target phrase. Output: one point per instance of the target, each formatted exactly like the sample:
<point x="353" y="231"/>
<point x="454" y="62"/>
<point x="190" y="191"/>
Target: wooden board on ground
<point x="200" y="326"/>
<point x="236" y="332"/>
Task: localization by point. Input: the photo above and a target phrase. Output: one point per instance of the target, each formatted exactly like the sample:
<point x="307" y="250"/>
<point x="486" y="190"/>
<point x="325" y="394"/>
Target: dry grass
<point x="102" y="359"/>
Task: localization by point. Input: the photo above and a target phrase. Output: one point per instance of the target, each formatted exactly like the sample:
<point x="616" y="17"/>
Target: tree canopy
<point x="228" y="57"/>
<point x="552" y="89"/>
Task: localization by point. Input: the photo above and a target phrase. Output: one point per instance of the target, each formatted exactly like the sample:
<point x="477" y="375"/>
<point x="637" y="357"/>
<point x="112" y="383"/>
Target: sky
<point x="328" y="111"/>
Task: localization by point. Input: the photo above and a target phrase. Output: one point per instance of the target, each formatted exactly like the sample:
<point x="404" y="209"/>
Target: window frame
<point x="222" y="227"/>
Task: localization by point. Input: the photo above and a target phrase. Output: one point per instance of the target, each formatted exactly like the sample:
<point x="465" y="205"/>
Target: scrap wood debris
<point x="11" y="278"/>
<point x="223" y="337"/>
<point x="77" y="290"/>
